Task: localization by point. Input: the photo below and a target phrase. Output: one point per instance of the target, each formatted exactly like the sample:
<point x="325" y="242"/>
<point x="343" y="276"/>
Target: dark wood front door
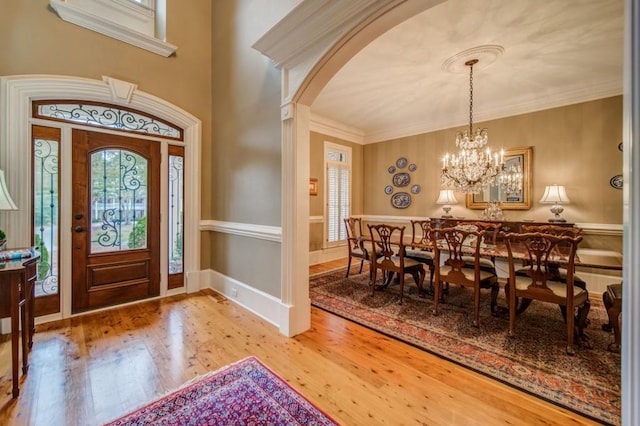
<point x="116" y="219"/>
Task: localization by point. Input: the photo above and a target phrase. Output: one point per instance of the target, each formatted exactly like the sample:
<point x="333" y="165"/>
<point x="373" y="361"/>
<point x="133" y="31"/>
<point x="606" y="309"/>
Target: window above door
<point x="138" y="22"/>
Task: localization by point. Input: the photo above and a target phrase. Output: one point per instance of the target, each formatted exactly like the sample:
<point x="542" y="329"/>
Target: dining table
<point x="585" y="258"/>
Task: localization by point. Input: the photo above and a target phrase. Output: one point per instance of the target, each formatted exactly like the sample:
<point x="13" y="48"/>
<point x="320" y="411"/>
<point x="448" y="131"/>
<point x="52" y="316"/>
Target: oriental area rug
<point x="534" y="360"/>
<point x="243" y="393"/>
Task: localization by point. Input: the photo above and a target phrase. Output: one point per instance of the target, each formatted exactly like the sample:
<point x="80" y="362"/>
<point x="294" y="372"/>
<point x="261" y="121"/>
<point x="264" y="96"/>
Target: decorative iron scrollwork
<point x="107" y="116"/>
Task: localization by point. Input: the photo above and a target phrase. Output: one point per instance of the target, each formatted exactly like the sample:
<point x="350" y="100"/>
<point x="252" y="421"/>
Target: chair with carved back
<point x="356" y="242"/>
<point x="451" y="247"/>
<point x="388" y="256"/>
<point x="536" y="281"/>
<point x="558" y="231"/>
<point x="420" y="248"/>
<point x="561" y="272"/>
<point x="489" y="239"/>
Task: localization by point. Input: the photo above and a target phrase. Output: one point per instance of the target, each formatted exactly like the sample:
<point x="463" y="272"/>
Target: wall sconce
<point x="447" y="198"/>
<point x="556" y="195"/>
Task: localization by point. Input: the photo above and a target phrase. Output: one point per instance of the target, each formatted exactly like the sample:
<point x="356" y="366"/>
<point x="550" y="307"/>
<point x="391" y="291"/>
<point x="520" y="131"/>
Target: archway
<point x="302" y="83"/>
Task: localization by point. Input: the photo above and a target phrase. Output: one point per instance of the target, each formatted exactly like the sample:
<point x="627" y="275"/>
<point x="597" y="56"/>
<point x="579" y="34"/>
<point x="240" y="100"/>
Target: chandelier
<point x="511" y="180"/>
<point x="474" y="167"/>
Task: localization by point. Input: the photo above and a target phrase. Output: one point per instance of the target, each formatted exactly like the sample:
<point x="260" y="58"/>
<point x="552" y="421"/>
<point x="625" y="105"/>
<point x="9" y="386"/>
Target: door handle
<point x="78" y="229"/>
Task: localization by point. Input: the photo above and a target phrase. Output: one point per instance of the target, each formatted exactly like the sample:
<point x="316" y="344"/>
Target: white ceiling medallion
<point x="486" y="55"/>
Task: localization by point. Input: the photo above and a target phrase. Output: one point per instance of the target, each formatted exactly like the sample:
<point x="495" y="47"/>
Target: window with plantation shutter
<point x="338" y="193"/>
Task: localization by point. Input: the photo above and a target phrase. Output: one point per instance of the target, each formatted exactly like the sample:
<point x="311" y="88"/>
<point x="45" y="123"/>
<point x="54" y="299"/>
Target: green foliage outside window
<point x="177" y="253"/>
<point x="138" y="235"/>
<point x="43" y="263"/>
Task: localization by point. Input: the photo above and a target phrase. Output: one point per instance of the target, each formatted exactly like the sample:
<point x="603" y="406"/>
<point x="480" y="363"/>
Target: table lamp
<point x="6" y="203"/>
<point x="447" y="198"/>
<point x="556" y="195"/>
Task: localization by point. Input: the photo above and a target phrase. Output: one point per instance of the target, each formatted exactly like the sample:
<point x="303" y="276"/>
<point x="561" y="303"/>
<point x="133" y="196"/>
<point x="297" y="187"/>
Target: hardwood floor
<point x="91" y="369"/>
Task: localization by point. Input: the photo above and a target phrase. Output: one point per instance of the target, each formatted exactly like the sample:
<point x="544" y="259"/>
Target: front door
<point x="116" y="220"/>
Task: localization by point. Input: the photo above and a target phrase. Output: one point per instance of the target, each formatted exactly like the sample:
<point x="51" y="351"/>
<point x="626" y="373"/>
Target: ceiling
<point x="555" y="52"/>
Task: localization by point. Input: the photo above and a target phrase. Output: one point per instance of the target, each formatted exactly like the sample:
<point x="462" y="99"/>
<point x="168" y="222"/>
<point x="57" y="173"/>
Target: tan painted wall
<point x="576" y="146"/>
<point x="245" y="169"/>
<point x="34" y="40"/>
<point x="217" y="77"/>
<point x="316" y="169"/>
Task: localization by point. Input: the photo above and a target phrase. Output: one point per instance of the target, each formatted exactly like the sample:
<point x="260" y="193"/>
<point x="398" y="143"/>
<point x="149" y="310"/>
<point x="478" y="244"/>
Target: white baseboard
<point x="597" y="283"/>
<point x="260" y="303"/>
<point x="5" y="325"/>
<point x="326" y="255"/>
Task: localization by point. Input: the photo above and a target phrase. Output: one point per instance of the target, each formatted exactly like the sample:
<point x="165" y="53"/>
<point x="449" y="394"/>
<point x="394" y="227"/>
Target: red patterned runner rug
<point x="245" y="392"/>
<point x="534" y="360"/>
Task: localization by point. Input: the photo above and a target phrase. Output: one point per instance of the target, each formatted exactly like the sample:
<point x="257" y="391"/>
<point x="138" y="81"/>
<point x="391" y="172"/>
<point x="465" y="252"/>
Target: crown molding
<point x="516" y="107"/>
<point x="336" y="129"/>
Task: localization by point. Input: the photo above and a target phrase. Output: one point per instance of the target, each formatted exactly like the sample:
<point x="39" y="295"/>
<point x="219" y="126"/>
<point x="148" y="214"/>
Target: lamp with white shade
<point x="556" y="195"/>
<point x="6" y="203"/>
<point x="447" y="198"/>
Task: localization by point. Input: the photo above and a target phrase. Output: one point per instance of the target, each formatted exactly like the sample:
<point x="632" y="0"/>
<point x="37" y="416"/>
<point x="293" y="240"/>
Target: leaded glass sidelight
<point x="119" y="182"/>
<point x="46" y="204"/>
<point x="176" y="202"/>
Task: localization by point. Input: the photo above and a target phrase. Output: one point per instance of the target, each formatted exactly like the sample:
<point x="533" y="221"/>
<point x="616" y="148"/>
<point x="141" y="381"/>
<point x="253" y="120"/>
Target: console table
<point x="17" y="285"/>
<point x="507" y="225"/>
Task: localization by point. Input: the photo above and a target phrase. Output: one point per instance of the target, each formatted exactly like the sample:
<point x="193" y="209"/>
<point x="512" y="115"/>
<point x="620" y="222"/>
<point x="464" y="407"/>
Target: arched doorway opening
<point x="302" y="83"/>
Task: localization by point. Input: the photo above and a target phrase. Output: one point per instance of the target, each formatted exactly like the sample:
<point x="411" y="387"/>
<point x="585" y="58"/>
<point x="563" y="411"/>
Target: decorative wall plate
<point x="412" y="167"/>
<point x="388" y="189"/>
<point x="616" y="182"/>
<point x="401" y="179"/>
<point x="401" y="163"/>
<point x="391" y="169"/>
<point x="401" y="200"/>
<point x="415" y="189"/>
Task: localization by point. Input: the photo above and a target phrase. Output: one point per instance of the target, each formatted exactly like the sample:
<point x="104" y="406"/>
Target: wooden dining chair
<point x="559" y="271"/>
<point x="356" y="242"/>
<point x="536" y="281"/>
<point x="487" y="263"/>
<point x="421" y="247"/>
<point x="388" y="256"/>
<point x="451" y="247"/>
<point x="558" y="231"/>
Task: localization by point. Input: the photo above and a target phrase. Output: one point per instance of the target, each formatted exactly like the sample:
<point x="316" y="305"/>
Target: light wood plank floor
<point x="91" y="369"/>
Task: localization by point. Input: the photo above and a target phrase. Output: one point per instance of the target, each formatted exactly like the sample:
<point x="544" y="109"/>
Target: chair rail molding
<point x="261" y="232"/>
<point x="316" y="219"/>
<point x="391" y="218"/>
<point x="610" y="229"/>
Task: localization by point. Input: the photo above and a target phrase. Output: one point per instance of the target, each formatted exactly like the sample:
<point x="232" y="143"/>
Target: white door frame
<point x="17" y="94"/>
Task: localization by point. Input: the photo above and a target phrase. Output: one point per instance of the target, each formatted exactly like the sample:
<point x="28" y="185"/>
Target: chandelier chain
<point x="471" y="63"/>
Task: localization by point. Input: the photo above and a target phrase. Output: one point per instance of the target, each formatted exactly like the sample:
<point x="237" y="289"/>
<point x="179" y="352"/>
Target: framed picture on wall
<point x="313" y="186"/>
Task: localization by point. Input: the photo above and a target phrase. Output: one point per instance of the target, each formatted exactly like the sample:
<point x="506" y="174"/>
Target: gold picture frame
<point x="514" y="156"/>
